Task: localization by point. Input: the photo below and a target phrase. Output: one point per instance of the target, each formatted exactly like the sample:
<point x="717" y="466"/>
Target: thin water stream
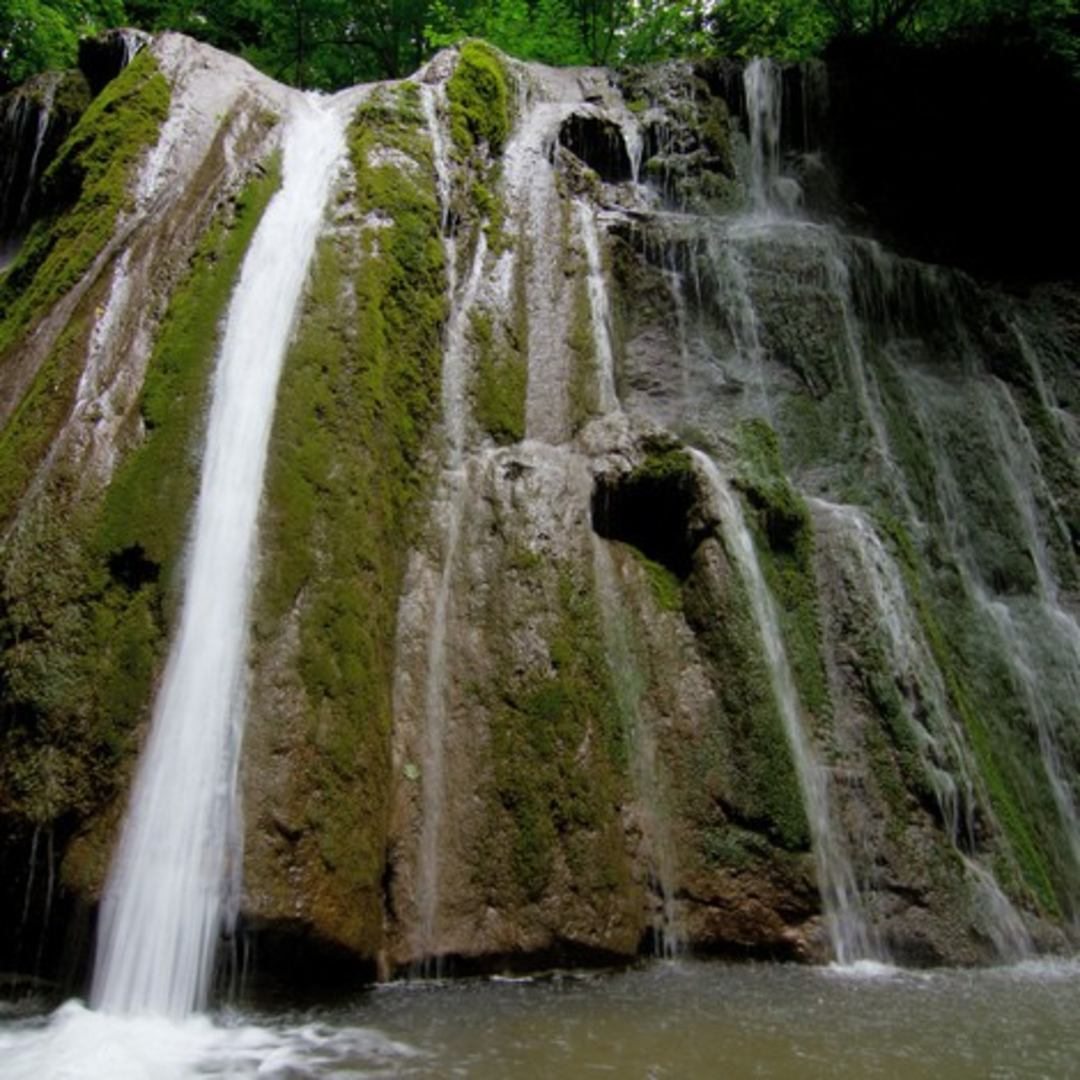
<point x="849" y="934"/>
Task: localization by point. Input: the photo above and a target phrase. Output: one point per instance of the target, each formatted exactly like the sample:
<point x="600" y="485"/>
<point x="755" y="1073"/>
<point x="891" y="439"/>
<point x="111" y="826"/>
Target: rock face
<point x="577" y="354"/>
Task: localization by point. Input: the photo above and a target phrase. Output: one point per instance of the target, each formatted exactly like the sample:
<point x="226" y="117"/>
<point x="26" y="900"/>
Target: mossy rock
<point x="480" y="96"/>
<point x="348" y="472"/>
<point x="87" y="589"/>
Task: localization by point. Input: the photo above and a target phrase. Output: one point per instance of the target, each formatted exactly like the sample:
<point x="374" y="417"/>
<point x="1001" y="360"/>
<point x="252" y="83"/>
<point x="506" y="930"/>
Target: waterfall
<point x="848" y="934"/>
<point x="939" y="737"/>
<point x="166" y="896"/>
<point x="771" y="193"/>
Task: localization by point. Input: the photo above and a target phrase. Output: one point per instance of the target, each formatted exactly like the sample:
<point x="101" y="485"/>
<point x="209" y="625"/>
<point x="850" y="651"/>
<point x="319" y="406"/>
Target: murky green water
<point x="683" y="1020"/>
<point x="709" y="1020"/>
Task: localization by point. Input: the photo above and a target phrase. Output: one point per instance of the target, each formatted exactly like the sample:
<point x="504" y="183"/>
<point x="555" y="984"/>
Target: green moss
<point x="86" y="590"/>
<point x="499" y="382"/>
<point x="743" y="766"/>
<point x="583" y="389"/>
<point x="162" y="474"/>
<point x="784" y="535"/>
<point x="666" y="464"/>
<point x="666" y="587"/>
<point x="86" y="187"/>
<point x="559" y="752"/>
<point x="356" y="409"/>
<point x="479" y="93"/>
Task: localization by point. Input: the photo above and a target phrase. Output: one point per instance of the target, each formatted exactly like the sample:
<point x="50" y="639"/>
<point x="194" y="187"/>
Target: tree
<point x="40" y="34"/>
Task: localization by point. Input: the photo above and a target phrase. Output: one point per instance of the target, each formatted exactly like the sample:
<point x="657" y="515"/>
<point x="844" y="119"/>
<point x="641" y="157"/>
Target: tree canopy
<point x="332" y="43"/>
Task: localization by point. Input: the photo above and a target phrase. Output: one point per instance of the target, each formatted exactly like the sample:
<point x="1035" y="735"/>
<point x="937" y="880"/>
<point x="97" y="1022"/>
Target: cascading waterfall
<point x="772" y="194"/>
<point x="1047" y="686"/>
<point x="849" y="935"/>
<point x="164" y="904"/>
<point x="941" y="742"/>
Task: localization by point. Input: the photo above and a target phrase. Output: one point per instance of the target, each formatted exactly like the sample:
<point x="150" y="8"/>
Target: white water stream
<point x="169" y="889"/>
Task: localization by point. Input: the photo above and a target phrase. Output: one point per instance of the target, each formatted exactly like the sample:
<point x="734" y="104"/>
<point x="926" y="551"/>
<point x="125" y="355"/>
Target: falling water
<point x="455" y="491"/>
<point x="848" y="933"/>
<point x="599" y="306"/>
<point x="20" y="173"/>
<point x="163" y="906"/>
<point x="629" y="687"/>
<point x="941" y="741"/>
<point x="772" y="194"/>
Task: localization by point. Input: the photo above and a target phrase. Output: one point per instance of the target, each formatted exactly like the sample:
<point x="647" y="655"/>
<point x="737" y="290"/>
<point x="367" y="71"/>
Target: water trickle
<point x="24" y="125"/>
<point x="849" y="934"/>
<point x="648" y="783"/>
<point x="163" y="907"/>
<point x="599" y="306"/>
<point x="939" y="738"/>
<point x="998" y="917"/>
<point x="453" y="498"/>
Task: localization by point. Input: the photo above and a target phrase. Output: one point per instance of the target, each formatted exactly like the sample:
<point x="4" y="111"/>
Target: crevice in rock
<point x="650" y="508"/>
<point x="600" y="144"/>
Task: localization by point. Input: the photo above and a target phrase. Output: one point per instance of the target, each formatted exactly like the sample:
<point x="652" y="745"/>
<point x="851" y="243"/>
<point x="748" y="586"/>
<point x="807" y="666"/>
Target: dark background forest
<point x="333" y="43"/>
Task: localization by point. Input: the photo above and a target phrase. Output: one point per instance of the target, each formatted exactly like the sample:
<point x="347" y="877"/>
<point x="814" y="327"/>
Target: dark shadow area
<point x="556" y="959"/>
<point x="46" y="954"/>
<point x="649" y="508"/>
<point x="131" y="568"/>
<point x="962" y="153"/>
<point x="283" y="963"/>
<point x="599" y="143"/>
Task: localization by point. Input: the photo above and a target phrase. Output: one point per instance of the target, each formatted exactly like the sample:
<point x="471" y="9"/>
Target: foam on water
<point x="76" y="1043"/>
<point x="865" y="969"/>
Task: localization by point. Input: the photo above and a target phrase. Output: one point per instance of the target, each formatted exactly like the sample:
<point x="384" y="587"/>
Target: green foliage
<point x="36" y="35"/>
<point x="357" y="404"/>
<point x="544" y="30"/>
<point x="86" y="590"/>
<point x="479" y="95"/>
<point x="87" y="187"/>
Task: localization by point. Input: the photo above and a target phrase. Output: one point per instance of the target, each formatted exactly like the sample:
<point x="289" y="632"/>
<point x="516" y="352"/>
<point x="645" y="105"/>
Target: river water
<point x="683" y="1019"/>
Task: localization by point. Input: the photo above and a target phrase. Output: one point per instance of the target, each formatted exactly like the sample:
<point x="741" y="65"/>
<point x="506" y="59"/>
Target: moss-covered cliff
<point x="513" y="697"/>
